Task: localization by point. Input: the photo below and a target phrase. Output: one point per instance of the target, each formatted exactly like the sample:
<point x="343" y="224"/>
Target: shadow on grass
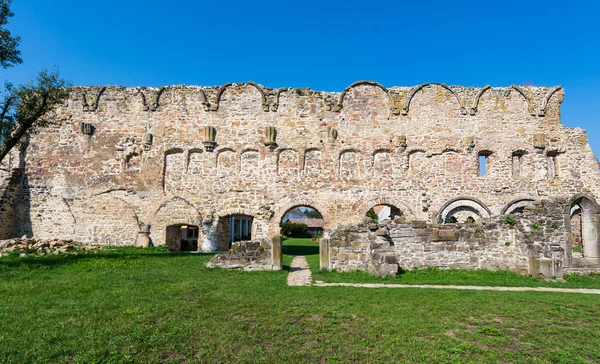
<point x="51" y="260"/>
<point x="300" y="249"/>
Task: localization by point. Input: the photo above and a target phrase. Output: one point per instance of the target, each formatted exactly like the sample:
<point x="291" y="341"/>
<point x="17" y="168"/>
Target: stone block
<point x="444" y="235"/>
<point x="418" y="224"/>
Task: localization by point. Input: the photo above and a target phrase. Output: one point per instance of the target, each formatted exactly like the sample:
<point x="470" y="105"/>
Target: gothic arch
<point x="475" y="106"/>
<point x="414" y="90"/>
<point x="549" y="95"/>
<point x="368" y="83"/>
<point x="528" y="99"/>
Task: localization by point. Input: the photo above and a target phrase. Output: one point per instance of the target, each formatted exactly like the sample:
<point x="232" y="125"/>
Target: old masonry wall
<point x="120" y="158"/>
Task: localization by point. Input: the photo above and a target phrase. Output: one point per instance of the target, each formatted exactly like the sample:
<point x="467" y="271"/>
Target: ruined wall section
<point x="416" y="146"/>
<point x="531" y="239"/>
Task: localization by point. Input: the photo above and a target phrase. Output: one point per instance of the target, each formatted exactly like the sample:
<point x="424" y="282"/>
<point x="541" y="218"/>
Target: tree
<point x="313" y="214"/>
<point x="24" y="109"/>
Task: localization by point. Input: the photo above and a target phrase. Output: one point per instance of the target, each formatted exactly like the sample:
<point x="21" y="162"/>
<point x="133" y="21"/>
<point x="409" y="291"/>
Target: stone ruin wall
<point x="342" y="153"/>
<point x="533" y="243"/>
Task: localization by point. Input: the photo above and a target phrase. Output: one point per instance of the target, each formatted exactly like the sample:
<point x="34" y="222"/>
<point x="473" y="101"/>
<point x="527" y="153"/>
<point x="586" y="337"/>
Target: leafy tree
<point x="24" y="109"/>
<point x="313" y="214"/>
<point x="294" y="230"/>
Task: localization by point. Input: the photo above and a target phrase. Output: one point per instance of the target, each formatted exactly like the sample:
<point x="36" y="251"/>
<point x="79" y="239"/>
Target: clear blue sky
<point x="324" y="45"/>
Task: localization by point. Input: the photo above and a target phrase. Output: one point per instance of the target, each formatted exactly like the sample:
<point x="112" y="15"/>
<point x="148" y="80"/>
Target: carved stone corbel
<point x="270" y="137"/>
<point x="332" y="134"/>
<point x="87" y="129"/>
<point x="210" y="134"/>
<point x="469" y="144"/>
<point x="147" y="140"/>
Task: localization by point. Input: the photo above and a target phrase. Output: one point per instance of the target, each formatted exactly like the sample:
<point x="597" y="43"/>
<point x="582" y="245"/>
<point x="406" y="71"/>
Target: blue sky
<point x="324" y="45"/>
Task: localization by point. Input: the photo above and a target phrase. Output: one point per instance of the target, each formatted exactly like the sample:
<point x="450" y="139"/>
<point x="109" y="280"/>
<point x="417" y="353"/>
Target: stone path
<point x="300" y="274"/>
<point x="473" y="288"/>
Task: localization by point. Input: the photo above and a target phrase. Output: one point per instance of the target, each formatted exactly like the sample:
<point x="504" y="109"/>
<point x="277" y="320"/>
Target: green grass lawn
<point x="431" y="275"/>
<point x="149" y="305"/>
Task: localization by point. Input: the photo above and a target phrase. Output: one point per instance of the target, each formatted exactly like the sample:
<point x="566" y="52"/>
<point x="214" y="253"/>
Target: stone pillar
<point x="276" y="252"/>
<point x="324" y="253"/>
<point x="143" y="238"/>
<point x="209" y="236"/>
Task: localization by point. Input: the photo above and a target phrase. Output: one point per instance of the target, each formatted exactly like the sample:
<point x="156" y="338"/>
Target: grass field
<point x="433" y="275"/>
<point x="148" y="305"/>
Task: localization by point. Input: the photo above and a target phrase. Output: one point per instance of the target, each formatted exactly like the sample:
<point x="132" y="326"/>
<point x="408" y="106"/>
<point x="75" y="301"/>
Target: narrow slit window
<point x="483" y="165"/>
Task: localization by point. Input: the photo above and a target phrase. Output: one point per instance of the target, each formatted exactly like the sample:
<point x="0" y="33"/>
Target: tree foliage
<point x="9" y="52"/>
<point x="371" y="214"/>
<point x="294" y="230"/>
<point x="313" y="214"/>
<point x="24" y="109"/>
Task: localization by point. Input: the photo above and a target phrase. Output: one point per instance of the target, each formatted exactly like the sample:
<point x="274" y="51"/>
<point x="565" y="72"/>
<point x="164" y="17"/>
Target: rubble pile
<point x="33" y="246"/>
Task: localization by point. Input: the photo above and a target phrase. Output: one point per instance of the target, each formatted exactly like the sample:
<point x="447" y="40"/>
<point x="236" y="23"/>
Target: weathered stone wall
<point x="517" y="242"/>
<point x="120" y="157"/>
<point x="247" y="255"/>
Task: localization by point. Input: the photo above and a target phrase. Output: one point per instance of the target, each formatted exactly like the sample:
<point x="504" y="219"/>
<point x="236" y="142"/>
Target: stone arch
<point x="475" y="106"/>
<point x="414" y="90"/>
<point x="194" y="163"/>
<point x="226" y="162"/>
<point x="287" y="204"/>
<point x="590" y="223"/>
<point x="393" y="107"/>
<point x="516" y="206"/>
<point x="351" y="163"/>
<point x="175" y="210"/>
<point x="382" y="163"/>
<point x="57" y="220"/>
<point x="288" y="162"/>
<point x="361" y="207"/>
<point x="313" y="162"/>
<point x="544" y="107"/>
<point x="173" y="168"/>
<point x="249" y="87"/>
<point x="106" y="219"/>
<point x="462" y="208"/>
<point x="528" y="99"/>
<point x="250" y="161"/>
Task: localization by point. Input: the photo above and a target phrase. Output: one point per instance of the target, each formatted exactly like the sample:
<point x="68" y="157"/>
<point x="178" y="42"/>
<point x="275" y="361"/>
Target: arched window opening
<point x="182" y="237"/>
<point x="576" y="240"/>
<point x="585" y="216"/>
<point x="380" y="213"/>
